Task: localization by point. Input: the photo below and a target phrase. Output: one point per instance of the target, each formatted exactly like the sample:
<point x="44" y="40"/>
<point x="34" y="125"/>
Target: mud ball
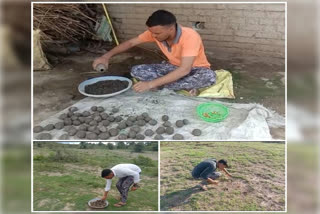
<point x="83" y="127"/>
<point x="59" y="125"/>
<point x="160" y="130"/>
<point x="122" y="137"/>
<point x="37" y="129"/>
<point x="49" y="127"/>
<point x="67" y="122"/>
<point x="179" y="123"/>
<point x="167" y="124"/>
<point x="93" y="123"/>
<point x="78" y="114"/>
<point x="153" y="122"/>
<point x="92" y="128"/>
<point x="165" y="117"/>
<point x="81" y="134"/>
<point x="97" y="131"/>
<point x="129" y="123"/>
<point x="145" y="114"/>
<point x="104" y="136"/>
<point x="169" y="130"/>
<point x="72" y="131"/>
<point x="76" y="122"/>
<point x="100" y="109"/>
<point x="81" y="119"/>
<point x="118" y="118"/>
<point x="136" y="129"/>
<point x="104" y="115"/>
<point x="115" y="110"/>
<point x="149" y="132"/>
<point x="73" y="109"/>
<point x="158" y="137"/>
<point x="106" y="122"/>
<point x="132" y="134"/>
<point x="67" y="128"/>
<point x="111" y="118"/>
<point x="196" y="132"/>
<point x="95" y="114"/>
<point x="74" y="117"/>
<point x="140" y="137"/>
<point x="132" y="118"/>
<point x="141" y="123"/>
<point x="113" y="132"/>
<point x="91" y="136"/>
<point x="147" y="119"/>
<point x="88" y="120"/>
<point x="177" y="137"/>
<point x="103" y="129"/>
<point x="94" y="108"/>
<point x="86" y="114"/>
<point x="122" y="125"/>
<point x="63" y="116"/>
<point x="97" y="118"/>
<point x="185" y="122"/>
<point x="64" y="137"/>
<point x="44" y="136"/>
<point x="70" y="114"/>
<point x="140" y="117"/>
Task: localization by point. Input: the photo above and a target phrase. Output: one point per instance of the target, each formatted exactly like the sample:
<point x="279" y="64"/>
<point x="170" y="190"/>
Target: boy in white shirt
<point x="128" y="174"/>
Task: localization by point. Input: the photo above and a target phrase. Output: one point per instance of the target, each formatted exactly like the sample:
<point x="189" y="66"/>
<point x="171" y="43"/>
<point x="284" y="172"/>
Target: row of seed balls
<point x="94" y="125"/>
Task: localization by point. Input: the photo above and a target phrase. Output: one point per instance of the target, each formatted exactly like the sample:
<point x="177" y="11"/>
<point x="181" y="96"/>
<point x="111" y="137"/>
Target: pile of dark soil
<point x="98" y="204"/>
<point x="106" y="87"/>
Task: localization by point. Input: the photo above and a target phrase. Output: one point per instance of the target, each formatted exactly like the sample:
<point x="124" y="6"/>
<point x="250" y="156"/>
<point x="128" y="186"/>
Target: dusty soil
<point x="98" y="204"/>
<point x="106" y="87"/>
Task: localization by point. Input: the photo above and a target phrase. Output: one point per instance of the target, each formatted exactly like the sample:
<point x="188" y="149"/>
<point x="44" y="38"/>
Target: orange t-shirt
<point x="187" y="43"/>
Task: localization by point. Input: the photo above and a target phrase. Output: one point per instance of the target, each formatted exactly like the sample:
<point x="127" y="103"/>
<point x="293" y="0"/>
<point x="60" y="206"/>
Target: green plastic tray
<point x="212" y="112"/>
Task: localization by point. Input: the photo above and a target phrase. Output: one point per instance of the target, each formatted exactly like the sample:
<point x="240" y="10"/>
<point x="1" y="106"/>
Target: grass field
<point x="67" y="178"/>
<point x="258" y="182"/>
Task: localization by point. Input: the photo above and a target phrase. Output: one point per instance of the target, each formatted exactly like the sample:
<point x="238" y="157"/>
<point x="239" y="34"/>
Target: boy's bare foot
<point x="194" y="92"/>
<point x="203" y="187"/>
<point x="119" y="204"/>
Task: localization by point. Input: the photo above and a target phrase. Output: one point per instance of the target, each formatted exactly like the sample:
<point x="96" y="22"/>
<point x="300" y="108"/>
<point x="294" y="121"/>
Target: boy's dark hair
<point x="224" y="162"/>
<point x="105" y="172"/>
<point x="161" y="17"/>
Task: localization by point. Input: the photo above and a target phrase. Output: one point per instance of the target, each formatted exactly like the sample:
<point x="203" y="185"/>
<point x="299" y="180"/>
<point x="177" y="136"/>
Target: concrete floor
<point x="57" y="89"/>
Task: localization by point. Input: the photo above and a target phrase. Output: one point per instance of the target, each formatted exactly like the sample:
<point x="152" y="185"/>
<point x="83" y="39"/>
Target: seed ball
<point x="145" y="114"/>
<point x="64" y="137"/>
<point x="104" y="115"/>
<point x="59" y="125"/>
<point x="83" y="127"/>
<point x="158" y="137"/>
<point x="86" y="114"/>
<point x="196" y="132"/>
<point x="140" y="137"/>
<point x="67" y="128"/>
<point x="44" y="136"/>
<point x="185" y="122"/>
<point x="49" y="127"/>
<point x="149" y="132"/>
<point x="169" y="130"/>
<point x="147" y="119"/>
<point x="81" y="119"/>
<point x="140" y="117"/>
<point x="153" y="122"/>
<point x="73" y="109"/>
<point x="177" y="137"/>
<point x="167" y="124"/>
<point x="91" y="136"/>
<point x="179" y="123"/>
<point x="136" y="129"/>
<point x="63" y="116"/>
<point x="95" y="114"/>
<point x="122" y="137"/>
<point x="78" y="114"/>
<point x="104" y="136"/>
<point x="165" y="117"/>
<point x="115" y="110"/>
<point x="94" y="108"/>
<point x="97" y="131"/>
<point x="76" y="122"/>
<point x="81" y="134"/>
<point x="132" y="134"/>
<point x="37" y="129"/>
<point x="72" y="131"/>
<point x="113" y="132"/>
<point x="160" y="130"/>
<point x="105" y="122"/>
<point x="93" y="123"/>
<point x="111" y="118"/>
<point x="129" y="122"/>
<point x="67" y="122"/>
<point x="100" y="109"/>
<point x="70" y="114"/>
<point x="132" y="118"/>
<point x="97" y="118"/>
<point x="103" y="129"/>
<point x="88" y="120"/>
<point x="141" y="122"/>
<point x="118" y="118"/>
<point x="122" y="125"/>
<point x="74" y="117"/>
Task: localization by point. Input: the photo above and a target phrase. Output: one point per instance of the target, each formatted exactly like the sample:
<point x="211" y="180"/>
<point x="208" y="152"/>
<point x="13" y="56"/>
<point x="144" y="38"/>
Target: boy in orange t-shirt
<point x="187" y="67"/>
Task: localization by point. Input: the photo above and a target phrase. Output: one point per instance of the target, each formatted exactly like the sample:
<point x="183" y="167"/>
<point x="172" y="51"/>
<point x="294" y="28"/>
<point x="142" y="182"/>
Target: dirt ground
<point x="57" y="89"/>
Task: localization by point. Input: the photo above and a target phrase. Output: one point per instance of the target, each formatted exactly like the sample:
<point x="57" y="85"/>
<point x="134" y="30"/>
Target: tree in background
<point x="121" y="145"/>
<point x="110" y="146"/>
<point x="139" y="147"/>
<point x="83" y="145"/>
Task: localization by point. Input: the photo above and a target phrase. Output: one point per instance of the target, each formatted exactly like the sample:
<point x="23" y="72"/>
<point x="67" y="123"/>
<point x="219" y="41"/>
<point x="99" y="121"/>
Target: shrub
<point x="144" y="161"/>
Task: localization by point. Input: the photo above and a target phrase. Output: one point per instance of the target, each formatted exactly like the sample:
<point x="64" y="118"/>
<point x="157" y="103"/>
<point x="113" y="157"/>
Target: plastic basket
<point x="212" y="112"/>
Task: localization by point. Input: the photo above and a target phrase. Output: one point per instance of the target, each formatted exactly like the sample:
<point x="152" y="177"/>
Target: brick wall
<point x="234" y="30"/>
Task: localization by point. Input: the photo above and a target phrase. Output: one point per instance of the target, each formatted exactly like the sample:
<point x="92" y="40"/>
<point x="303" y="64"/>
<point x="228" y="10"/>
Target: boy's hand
<point x="134" y="188"/>
<point x="142" y="86"/>
<point x="100" y="60"/>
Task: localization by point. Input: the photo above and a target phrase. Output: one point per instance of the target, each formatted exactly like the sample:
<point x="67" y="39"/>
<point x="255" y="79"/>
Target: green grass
<point x="258" y="181"/>
<point x="66" y="185"/>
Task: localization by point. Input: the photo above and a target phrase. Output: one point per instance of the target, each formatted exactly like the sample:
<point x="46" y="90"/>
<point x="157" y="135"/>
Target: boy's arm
<point x="210" y="181"/>
<point x="227" y="173"/>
